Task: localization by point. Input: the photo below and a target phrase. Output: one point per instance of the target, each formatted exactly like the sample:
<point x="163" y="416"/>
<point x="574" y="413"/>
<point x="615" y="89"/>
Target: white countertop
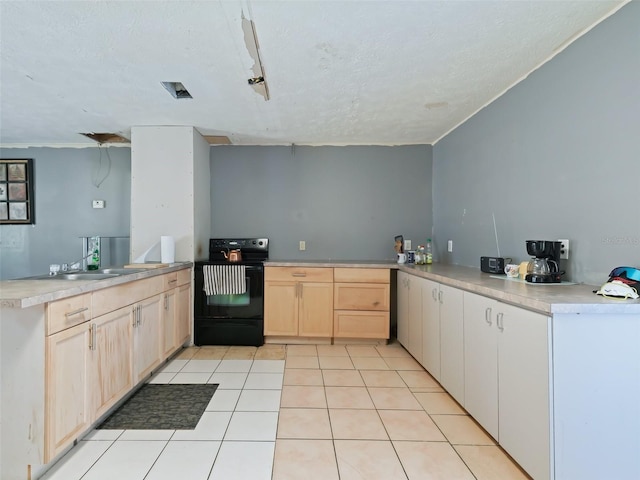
<point x="543" y="298"/>
<point x="27" y="293"/>
<point x="548" y="299"/>
<point x="333" y="263"/>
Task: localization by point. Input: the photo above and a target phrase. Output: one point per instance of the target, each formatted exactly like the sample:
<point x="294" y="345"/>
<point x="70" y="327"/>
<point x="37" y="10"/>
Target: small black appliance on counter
<point x="231" y="318"/>
<point x="544" y="267"/>
<point x="493" y="264"/>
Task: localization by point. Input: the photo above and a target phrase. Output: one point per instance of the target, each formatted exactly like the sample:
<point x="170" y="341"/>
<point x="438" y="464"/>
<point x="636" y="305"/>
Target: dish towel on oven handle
<point x="224" y="279"/>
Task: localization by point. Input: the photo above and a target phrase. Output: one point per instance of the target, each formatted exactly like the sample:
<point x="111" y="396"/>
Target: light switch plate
<point x="407" y="245"/>
<point x="98" y="204"/>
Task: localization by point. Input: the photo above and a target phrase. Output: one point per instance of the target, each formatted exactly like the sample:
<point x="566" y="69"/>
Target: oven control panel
<point x="242" y="243"/>
<point x="251" y="248"/>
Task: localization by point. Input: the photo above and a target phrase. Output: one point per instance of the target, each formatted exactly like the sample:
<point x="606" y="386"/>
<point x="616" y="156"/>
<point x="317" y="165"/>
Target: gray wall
<point x="555" y="157"/>
<point x="64" y="190"/>
<point x="345" y="202"/>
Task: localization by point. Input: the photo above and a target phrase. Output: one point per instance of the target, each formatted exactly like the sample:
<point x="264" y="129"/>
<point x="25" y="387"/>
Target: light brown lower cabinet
<point x="299" y="309"/>
<point x="183" y="315"/>
<point x="177" y="314"/>
<point x="326" y="303"/>
<point x="298" y="302"/>
<point x="88" y="369"/>
<point x="147" y="336"/>
<point x="68" y="410"/>
<point x="97" y="349"/>
<point x="361" y="303"/>
<point x="110" y="379"/>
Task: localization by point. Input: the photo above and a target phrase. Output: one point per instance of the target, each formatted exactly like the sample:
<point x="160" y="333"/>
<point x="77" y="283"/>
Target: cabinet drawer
<point x="110" y="299"/>
<point x="361" y="296"/>
<point x="184" y="276"/>
<point x="67" y="312"/>
<point x="301" y="274"/>
<point x="364" y="275"/>
<point x="174" y="279"/>
<point x="170" y="281"/>
<point x="348" y="324"/>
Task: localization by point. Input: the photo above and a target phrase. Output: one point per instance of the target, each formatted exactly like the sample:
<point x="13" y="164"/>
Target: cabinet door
<point x="414" y="344"/>
<point x="315" y="312"/>
<point x="523" y="364"/>
<point x="183" y="315"/>
<point x="403" y="309"/>
<point x="147" y="336"/>
<point x="111" y="359"/>
<point x="481" y="360"/>
<point x="67" y="403"/>
<point x="451" y="342"/>
<point x="169" y="320"/>
<point x="281" y="308"/>
<point x="430" y="328"/>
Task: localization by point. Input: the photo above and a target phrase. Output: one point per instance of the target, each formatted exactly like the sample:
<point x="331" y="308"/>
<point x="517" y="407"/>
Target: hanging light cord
<point x="97" y="180"/>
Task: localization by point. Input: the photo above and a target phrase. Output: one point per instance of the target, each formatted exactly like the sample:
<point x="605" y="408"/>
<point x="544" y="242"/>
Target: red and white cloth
<point x="224" y="279"/>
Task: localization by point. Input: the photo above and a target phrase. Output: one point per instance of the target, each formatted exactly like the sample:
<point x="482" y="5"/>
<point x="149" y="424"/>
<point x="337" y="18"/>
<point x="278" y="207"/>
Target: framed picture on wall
<point x="17" y="204"/>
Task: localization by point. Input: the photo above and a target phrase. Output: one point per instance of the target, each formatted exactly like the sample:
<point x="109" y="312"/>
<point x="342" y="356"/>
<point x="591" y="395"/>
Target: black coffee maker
<point x="544" y="267"/>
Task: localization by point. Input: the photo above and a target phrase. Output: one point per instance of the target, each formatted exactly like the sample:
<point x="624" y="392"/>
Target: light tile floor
<point x="323" y="412"/>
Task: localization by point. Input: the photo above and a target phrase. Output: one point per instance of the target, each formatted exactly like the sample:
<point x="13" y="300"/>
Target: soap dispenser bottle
<point x="93" y="256"/>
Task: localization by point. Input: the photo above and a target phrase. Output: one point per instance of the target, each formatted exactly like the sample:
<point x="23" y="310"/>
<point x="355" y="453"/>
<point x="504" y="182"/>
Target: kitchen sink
<point x="75" y="276"/>
<point x="99" y="274"/>
<point x="116" y="271"/>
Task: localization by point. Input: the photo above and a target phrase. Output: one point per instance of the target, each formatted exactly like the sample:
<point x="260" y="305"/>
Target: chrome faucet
<point x="67" y="267"/>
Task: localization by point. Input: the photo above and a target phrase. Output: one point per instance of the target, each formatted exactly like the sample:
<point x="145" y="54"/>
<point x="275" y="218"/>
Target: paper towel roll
<point x="167" y="249"/>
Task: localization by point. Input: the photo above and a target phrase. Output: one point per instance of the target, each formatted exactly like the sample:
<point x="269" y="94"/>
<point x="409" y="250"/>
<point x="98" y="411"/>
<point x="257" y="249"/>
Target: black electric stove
<point x="232" y="319"/>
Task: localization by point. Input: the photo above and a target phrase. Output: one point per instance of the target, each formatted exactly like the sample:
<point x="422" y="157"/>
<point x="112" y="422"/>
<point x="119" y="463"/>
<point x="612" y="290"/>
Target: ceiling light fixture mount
<point x="258" y="82"/>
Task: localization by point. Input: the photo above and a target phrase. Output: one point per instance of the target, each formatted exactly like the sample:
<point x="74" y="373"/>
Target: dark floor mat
<point x="162" y="407"/>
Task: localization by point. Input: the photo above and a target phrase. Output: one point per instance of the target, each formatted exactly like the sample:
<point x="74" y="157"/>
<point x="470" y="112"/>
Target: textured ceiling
<point x="337" y="72"/>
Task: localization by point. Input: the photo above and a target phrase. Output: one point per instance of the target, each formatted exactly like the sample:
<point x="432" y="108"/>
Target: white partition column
<point x="167" y="189"/>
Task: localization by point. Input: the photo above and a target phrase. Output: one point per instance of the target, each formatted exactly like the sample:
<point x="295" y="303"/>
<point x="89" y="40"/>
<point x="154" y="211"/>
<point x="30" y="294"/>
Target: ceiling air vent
<point x="177" y="90"/>
<point x="106" y="137"/>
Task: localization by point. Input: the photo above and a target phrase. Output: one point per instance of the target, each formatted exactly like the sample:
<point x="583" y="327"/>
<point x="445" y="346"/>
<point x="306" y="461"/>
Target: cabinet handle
<point x="139" y="315"/>
<point x="440" y="295"/>
<point x="91" y="336"/>
<point x="434" y="294"/>
<point x="166" y="302"/>
<point x="173" y="281"/>
<point x="487" y="315"/>
<point x="499" y="321"/>
<point x="93" y="331"/>
<point x="76" y="312"/>
<point x="136" y="316"/>
<point x="298" y="274"/>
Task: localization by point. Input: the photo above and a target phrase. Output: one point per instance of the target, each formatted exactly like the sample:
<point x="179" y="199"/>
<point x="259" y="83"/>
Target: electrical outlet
<point x="407" y="245"/>
<point x="450" y="246"/>
<point x="98" y="204"/>
<point x="564" y="249"/>
<point x="303" y="245"/>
